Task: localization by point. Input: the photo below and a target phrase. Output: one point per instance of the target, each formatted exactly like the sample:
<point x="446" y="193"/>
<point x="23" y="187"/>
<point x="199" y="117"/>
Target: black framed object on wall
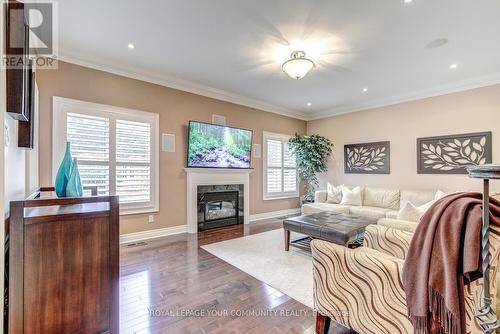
<point x="367" y="158"/>
<point x="452" y="154"/>
<point x="18" y="69"/>
<point x="26" y="130"/>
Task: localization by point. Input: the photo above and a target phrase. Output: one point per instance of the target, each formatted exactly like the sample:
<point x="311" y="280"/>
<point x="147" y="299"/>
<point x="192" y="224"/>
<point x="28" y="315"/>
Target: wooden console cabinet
<point x="63" y="274"/>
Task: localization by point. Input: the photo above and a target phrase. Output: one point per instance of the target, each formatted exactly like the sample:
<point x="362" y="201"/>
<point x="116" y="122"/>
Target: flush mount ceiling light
<point x="298" y="65"/>
<point x="131" y="46"/>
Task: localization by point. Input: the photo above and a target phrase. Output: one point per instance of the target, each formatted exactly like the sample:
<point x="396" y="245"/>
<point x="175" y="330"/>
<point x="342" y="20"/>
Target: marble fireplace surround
<point x="212" y="176"/>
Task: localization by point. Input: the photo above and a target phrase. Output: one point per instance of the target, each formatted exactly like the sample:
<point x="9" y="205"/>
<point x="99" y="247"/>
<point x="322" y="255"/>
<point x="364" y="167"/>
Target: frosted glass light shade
<point x="298" y="66"/>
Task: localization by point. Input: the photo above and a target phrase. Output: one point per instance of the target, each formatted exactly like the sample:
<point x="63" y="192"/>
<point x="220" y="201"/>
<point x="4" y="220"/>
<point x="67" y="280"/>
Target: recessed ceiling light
<point x="437" y="43"/>
<point x="365" y="90"/>
<point x="453" y="66"/>
<point x="408" y="1"/>
<point x="131" y="46"/>
<point x="309" y="104"/>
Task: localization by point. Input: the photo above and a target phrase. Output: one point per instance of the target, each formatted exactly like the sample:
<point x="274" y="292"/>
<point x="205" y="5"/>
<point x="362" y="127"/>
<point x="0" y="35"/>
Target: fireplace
<point x="220" y="205"/>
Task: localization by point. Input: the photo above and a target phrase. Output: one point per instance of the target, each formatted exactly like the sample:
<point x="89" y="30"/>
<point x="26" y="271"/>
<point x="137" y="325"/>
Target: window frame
<point x="281" y="195"/>
<point x="62" y="106"/>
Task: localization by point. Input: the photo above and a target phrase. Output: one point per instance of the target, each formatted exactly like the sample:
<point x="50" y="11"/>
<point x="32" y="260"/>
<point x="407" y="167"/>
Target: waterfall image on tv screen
<point x="216" y="146"/>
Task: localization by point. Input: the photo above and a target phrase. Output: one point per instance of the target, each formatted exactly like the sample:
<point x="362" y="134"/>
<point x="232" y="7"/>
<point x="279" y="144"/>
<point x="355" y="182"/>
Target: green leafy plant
<point x="312" y="154"/>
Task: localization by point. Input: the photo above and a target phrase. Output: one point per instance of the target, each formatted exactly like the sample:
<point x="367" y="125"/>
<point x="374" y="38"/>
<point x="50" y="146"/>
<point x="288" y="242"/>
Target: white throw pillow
<point x="351" y="197"/>
<point x="333" y="194"/>
<point x="411" y="213"/>
<point x="439" y="194"/>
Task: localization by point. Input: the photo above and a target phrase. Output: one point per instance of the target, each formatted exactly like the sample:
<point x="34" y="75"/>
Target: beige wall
<point x="469" y="111"/>
<point x="175" y="108"/>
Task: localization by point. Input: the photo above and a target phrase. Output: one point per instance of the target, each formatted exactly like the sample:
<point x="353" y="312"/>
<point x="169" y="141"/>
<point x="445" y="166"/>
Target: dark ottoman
<point x="340" y="228"/>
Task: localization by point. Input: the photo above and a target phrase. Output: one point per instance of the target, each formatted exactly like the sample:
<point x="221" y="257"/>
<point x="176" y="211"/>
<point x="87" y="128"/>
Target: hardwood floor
<point x="171" y="285"/>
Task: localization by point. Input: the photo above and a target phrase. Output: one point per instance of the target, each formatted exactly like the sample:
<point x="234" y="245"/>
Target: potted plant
<point x="312" y="153"/>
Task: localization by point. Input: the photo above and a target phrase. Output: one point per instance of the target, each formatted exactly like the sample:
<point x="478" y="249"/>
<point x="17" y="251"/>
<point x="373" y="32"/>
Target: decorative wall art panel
<point x="367" y="158"/>
<point x="452" y="154"/>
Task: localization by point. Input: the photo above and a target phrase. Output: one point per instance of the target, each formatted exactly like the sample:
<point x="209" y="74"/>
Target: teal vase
<point x="74" y="187"/>
<point x="63" y="173"/>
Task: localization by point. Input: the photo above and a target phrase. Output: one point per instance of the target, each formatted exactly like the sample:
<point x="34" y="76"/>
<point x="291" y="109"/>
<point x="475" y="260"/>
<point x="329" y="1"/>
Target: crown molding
<point x="460" y="86"/>
<point x="183" y="85"/>
<point x="222" y="95"/>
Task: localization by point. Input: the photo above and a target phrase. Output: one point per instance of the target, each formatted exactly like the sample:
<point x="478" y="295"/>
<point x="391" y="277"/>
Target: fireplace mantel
<point x="214" y="176"/>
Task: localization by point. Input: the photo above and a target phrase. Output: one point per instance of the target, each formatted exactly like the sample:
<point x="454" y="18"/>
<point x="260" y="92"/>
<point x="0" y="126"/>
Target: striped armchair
<point x="362" y="288"/>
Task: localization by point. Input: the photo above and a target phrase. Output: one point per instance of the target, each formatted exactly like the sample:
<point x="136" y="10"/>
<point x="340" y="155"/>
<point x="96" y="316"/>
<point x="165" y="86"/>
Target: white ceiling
<point x="233" y="49"/>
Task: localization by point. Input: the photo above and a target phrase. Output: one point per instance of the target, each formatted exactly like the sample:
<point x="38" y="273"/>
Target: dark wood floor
<point x="171" y="285"/>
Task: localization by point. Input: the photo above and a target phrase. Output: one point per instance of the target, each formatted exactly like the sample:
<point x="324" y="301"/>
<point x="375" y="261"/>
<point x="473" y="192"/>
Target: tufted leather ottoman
<point x="340" y="228"/>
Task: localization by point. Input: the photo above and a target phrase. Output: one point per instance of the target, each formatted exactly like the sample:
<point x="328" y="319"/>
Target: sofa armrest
<point x="352" y="285"/>
<point x="399" y="224"/>
<point x="320" y="196"/>
<point x="389" y="241"/>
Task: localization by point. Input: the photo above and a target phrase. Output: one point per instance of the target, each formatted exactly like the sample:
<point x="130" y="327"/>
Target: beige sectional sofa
<point x="376" y="202"/>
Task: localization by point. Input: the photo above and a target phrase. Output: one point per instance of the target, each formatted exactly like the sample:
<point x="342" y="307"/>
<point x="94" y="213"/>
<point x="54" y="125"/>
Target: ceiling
<point x="233" y="49"/>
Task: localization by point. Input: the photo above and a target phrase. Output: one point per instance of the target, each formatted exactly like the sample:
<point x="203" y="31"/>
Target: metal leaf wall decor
<point x="367" y="158"/>
<point x="452" y="154"/>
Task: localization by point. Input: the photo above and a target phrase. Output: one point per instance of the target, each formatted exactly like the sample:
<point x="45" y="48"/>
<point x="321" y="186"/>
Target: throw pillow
<point x="411" y="213"/>
<point x="333" y="194"/>
<point x="439" y="194"/>
<point x="351" y="197"/>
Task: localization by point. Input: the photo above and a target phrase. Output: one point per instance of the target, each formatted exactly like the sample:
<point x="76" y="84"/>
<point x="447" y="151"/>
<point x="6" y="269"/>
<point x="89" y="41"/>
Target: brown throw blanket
<point x="444" y="255"/>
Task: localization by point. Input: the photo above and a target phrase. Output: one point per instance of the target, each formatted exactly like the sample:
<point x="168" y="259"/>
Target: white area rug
<point x="263" y="257"/>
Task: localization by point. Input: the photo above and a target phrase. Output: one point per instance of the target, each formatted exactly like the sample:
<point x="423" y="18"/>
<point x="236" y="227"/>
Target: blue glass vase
<point x="74" y="187"/>
<point x="63" y="173"/>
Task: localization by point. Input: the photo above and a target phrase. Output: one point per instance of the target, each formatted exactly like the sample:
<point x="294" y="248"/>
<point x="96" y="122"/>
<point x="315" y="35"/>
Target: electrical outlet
<point x="151" y="219"/>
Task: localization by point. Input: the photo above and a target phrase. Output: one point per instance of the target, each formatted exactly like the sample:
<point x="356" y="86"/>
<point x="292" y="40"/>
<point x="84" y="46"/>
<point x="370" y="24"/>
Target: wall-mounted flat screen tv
<point x="217" y="146"/>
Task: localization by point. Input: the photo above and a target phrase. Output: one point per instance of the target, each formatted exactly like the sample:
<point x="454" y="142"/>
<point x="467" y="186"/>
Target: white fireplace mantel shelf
<point x="214" y="176"/>
<point x="219" y="170"/>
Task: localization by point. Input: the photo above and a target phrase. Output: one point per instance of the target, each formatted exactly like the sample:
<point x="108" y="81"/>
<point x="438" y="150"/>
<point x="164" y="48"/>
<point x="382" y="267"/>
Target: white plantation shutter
<point x="117" y="150"/>
<point x="280" y="171"/>
<point x="274" y="173"/>
<point x="133" y="160"/>
<point x="289" y="170"/>
<point x="89" y="138"/>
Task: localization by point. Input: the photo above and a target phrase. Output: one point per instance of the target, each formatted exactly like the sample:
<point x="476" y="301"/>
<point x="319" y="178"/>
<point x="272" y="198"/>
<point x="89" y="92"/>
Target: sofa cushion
<point x="319" y="207"/>
<point x="333" y="194"/>
<point x="369" y="211"/>
<point x="398" y="224"/>
<point x="352" y="197"/>
<point x="416" y="197"/>
<point x="393" y="214"/>
<point x="382" y="198"/>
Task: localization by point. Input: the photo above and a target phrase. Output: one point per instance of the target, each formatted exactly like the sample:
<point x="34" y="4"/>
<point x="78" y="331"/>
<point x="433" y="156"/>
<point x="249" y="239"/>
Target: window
<point x="280" y="170"/>
<point x="117" y="150"/>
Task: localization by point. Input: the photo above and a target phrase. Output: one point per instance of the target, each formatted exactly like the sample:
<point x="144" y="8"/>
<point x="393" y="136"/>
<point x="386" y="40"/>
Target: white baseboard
<point x="164" y="232"/>
<point x="273" y="214"/>
<point x="152" y="234"/>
